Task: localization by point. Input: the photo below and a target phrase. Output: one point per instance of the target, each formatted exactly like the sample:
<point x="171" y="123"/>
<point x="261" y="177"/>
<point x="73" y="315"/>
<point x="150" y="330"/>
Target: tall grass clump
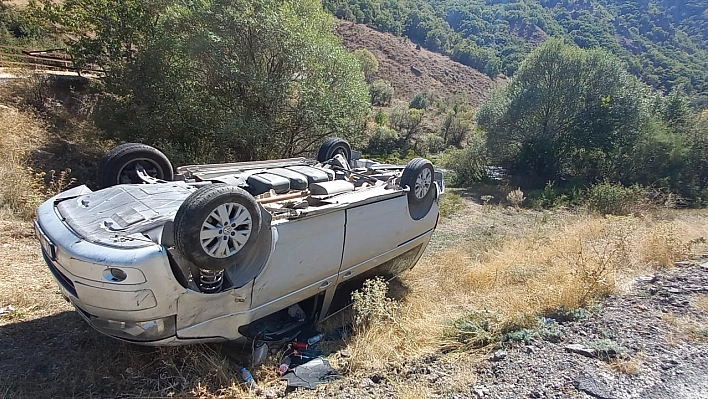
<point x="22" y="188"/>
<point x="615" y="199"/>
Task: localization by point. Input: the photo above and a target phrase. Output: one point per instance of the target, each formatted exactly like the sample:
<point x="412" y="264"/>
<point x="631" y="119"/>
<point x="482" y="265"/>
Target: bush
<point x="422" y="100"/>
<point x="371" y="305"/>
<point x="384" y="141"/>
<point x="368" y="62"/>
<point x="435" y="143"/>
<point x="469" y="164"/>
<point x="516" y="197"/>
<point x="615" y="199"/>
<point x="167" y="64"/>
<point x="381" y="118"/>
<point x="381" y="93"/>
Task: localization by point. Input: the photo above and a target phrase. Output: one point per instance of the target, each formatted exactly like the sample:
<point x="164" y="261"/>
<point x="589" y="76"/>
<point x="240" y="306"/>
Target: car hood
<point x="126" y="216"/>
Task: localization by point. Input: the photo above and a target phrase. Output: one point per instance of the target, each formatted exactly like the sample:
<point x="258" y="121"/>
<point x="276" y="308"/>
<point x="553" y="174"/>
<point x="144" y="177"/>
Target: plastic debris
<point x="311" y="374"/>
<point x="317" y="338"/>
<point x="7" y="309"/>
<point x="260" y="352"/>
<point x="284" y="365"/>
<point x="248" y="379"/>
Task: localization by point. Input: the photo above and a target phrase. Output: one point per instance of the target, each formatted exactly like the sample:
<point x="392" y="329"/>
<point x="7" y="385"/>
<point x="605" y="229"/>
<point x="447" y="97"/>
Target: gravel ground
<point x="644" y="344"/>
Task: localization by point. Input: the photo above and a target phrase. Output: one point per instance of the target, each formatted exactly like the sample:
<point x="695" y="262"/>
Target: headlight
<point x="152" y="330"/>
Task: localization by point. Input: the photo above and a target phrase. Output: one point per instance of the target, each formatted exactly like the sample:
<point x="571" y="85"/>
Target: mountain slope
<point x="665" y="42"/>
<point x="412" y="70"/>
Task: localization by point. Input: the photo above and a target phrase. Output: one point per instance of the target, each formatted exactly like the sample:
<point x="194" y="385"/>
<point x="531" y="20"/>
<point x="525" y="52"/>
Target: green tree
<point x="220" y="80"/>
<point x="564" y="108"/>
<point x="369" y="63"/>
<point x="407" y="122"/>
<point x="381" y="93"/>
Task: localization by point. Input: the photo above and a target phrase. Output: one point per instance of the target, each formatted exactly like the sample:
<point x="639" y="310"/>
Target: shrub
<point x="615" y="199"/>
<point x="370" y="304"/>
<point x="381" y="93"/>
<point x="516" y="197"/>
<point x="384" y="141"/>
<point x="469" y="164"/>
<point x="166" y="63"/>
<point x="381" y="118"/>
<point x="435" y="143"/>
<point x="422" y="100"/>
<point x="368" y="62"/>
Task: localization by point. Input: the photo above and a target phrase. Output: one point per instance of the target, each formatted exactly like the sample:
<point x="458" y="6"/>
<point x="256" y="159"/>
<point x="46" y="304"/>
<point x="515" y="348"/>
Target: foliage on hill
<point x="665" y="42"/>
<point x="217" y="80"/>
<point x="576" y="117"/>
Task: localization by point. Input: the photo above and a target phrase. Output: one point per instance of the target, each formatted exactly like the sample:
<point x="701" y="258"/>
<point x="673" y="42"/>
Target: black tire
<point x="419" y="176"/>
<point x="198" y="209"/>
<point x="333" y="146"/>
<point x="117" y="166"/>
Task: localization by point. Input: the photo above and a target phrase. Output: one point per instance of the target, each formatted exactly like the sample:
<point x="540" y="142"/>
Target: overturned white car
<point x="221" y="252"/>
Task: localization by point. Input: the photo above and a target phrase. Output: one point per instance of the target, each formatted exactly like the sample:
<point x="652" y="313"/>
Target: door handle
<point x="325" y="284"/>
<point x="348" y="274"/>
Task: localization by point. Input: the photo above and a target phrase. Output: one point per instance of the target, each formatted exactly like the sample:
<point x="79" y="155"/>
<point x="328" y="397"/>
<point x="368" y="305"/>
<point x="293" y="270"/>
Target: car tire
<point x="204" y="235"/>
<point x="418" y="175"/>
<point x="333" y="146"/>
<point x="118" y="165"/>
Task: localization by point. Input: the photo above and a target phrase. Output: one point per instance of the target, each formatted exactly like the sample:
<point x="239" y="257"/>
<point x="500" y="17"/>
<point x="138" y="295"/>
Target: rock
<point x="366" y="382"/>
<point x="480" y="391"/>
<point x="647" y="279"/>
<point x="591" y="385"/>
<point x="498" y="355"/>
<point x="581" y="350"/>
<point x="344" y="353"/>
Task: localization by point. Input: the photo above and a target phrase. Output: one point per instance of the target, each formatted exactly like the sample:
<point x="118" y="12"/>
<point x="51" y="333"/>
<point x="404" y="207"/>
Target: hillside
<point x="399" y="58"/>
<point x="663" y="41"/>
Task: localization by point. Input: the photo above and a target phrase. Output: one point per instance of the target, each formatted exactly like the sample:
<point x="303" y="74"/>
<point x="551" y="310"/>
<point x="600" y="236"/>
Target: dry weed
<point x="414" y="391"/>
<point x="516" y="197"/>
<point x="662" y="246"/>
<point x="629" y="365"/>
<point x="23" y="189"/>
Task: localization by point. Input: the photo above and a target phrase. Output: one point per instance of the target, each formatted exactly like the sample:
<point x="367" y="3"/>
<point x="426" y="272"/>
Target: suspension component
<point x="210" y="281"/>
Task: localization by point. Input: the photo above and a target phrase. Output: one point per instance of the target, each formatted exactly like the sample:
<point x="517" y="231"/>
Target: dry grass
<point x="22" y="189"/>
<point x="566" y="263"/>
<point x="631" y="365"/>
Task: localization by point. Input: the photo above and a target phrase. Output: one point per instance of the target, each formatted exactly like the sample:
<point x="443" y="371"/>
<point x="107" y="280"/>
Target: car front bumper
<point x="139" y="305"/>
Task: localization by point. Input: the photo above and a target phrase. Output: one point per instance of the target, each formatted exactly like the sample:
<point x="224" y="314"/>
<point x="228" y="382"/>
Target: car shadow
<point x="61" y="356"/>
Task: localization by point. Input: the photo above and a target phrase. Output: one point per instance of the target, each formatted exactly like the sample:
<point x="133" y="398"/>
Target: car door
<point x="379" y="231"/>
<point x="305" y="261"/>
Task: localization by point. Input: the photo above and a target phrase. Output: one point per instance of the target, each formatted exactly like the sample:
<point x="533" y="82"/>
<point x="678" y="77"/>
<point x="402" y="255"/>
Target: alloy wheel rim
<point x="422" y="183"/>
<point x="226" y="230"/>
